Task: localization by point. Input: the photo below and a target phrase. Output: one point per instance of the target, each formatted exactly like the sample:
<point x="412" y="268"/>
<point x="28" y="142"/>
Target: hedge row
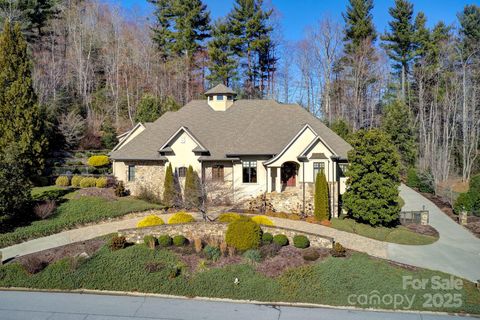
<point x="82" y="182"/>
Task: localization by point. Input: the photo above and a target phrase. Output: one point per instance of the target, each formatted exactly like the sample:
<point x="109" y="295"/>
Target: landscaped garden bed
<point x="275" y="274"/>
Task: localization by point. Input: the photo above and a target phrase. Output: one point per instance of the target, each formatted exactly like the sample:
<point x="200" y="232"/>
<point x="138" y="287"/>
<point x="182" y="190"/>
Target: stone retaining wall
<point x="214" y="229"/>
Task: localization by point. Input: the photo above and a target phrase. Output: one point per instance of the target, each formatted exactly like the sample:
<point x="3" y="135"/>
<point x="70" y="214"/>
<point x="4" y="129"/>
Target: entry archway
<point x="289" y="173"/>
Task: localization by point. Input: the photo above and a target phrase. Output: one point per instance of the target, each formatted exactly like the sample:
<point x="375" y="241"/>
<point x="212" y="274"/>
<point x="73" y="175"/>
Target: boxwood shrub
<point x="150" y="221"/>
<point x="62" y="181"/>
<point x="267" y="238"/>
<point x="165" y="240"/>
<point x="301" y="241"/>
<point x="181" y="217"/>
<point x="179" y="241"/>
<point x="243" y="234"/>
<point x="281" y="240"/>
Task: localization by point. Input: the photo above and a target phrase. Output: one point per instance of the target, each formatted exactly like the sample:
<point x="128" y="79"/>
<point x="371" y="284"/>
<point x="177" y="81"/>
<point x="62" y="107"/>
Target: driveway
<point x="456" y="252"/>
<point x="16" y="305"/>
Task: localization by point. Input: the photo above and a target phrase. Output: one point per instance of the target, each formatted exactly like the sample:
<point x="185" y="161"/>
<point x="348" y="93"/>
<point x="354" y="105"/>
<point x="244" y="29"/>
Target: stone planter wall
<point x="214" y="229"/>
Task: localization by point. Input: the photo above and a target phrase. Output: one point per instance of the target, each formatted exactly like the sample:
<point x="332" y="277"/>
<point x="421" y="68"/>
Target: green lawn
<point x="72" y="213"/>
<point x="328" y="282"/>
<point x="400" y="234"/>
<point x="37" y="191"/>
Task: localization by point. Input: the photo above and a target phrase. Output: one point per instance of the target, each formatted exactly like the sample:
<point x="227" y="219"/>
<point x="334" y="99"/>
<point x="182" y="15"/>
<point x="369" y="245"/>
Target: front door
<point x="289" y="174"/>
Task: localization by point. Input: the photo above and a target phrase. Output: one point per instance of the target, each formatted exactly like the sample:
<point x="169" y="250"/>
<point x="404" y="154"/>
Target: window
<point x="317" y="166"/>
<point x="131" y="173"/>
<point x="229" y="97"/>
<point x="217" y="173"/>
<point x="210" y="98"/>
<point x="182" y="172"/>
<point x="343" y="169"/>
<point x="249" y="171"/>
<point x="219" y="98"/>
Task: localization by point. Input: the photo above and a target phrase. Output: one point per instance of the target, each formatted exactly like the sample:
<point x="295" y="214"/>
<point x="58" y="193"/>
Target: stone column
<point x="463" y="218"/>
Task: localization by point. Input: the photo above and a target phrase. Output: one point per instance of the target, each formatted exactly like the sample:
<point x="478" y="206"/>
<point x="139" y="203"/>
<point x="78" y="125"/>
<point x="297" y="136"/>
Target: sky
<point x="297" y="15"/>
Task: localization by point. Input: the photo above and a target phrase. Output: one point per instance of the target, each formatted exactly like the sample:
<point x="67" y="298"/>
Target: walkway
<point x="456" y="252"/>
<point x="16" y="305"/>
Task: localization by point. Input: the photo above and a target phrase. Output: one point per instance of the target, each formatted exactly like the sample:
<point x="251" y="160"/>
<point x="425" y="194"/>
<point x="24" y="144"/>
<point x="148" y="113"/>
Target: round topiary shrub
<point x="165" y="240"/>
<point x="262" y="220"/>
<point x="101" y="182"/>
<point x="76" y="181"/>
<point x="181" y="217"/>
<point x="301" y="242"/>
<point x="98" y="161"/>
<point x="228" y="217"/>
<point x="150" y="221"/>
<point x="62" y="181"/>
<point x="88" y="182"/>
<point x="243" y="234"/>
<point x="267" y="238"/>
<point x="281" y="240"/>
<point x="179" y="241"/>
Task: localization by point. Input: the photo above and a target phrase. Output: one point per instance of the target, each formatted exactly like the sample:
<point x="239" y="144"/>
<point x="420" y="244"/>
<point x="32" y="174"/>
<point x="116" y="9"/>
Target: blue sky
<point x="296" y="15"/>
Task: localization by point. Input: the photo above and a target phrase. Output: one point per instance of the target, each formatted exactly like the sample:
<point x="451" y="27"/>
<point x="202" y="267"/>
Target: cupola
<point x="220" y="97"/>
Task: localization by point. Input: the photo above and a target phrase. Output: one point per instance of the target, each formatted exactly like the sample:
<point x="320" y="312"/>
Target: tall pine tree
<point x="359" y="25"/>
<point x="469" y="20"/>
<point x="400" y="41"/>
<point x="22" y="126"/>
<point x="222" y="65"/>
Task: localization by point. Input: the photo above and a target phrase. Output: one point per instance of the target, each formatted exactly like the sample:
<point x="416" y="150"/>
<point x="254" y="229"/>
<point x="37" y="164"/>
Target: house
<point x="248" y="147"/>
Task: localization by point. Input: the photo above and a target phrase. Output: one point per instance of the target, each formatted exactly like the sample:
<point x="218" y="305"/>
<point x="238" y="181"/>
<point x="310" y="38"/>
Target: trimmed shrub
<point x="120" y="190"/>
<point x="228" y="217"/>
<point x="98" y="161"/>
<point x="338" y="250"/>
<point x="253" y="255"/>
<point x="321" y="197"/>
<point x="179" y="241"/>
<point x="181" y="217"/>
<point x="311" y="254"/>
<point x="281" y="240"/>
<point x="267" y="238"/>
<point x="88" y="182"/>
<point x="212" y="253"/>
<point x="301" y="242"/>
<point x="76" y="181"/>
<point x="62" y="181"/>
<point x="243" y="234"/>
<point x="465" y="201"/>
<point x="101" y="182"/>
<point x="165" y="240"/>
<point x="262" y="220"/>
<point x="150" y="221"/>
<point x="150" y="241"/>
<point x="117" y="243"/>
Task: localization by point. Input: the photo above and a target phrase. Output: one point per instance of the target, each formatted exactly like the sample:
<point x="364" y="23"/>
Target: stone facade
<point x="148" y="175"/>
<point x="215" y="230"/>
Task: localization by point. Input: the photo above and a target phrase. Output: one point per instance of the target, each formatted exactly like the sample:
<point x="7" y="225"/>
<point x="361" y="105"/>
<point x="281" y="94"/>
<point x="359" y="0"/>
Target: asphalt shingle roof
<point x="248" y="127"/>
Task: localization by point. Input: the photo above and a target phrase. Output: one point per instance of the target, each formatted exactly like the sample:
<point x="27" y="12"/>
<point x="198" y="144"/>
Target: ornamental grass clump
<point x="150" y="241"/>
<point x="281" y="240"/>
<point x="243" y="234"/>
<point x="101" y="182"/>
<point x="150" y="221"/>
<point x="228" y="217"/>
<point x="262" y="220"/>
<point x="76" y="181"/>
<point x="301" y="242"/>
<point x="212" y="253"/>
<point x="181" y="217"/>
<point x="88" y="182"/>
<point x="62" y="181"/>
<point x="253" y="255"/>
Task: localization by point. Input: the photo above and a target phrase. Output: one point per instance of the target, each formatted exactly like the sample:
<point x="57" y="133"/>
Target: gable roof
<point x="199" y="147"/>
<point x="262" y="127"/>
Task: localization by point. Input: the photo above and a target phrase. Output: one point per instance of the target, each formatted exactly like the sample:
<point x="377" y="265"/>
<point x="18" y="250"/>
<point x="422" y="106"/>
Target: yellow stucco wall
<point x="182" y="147"/>
<point x="220" y="105"/>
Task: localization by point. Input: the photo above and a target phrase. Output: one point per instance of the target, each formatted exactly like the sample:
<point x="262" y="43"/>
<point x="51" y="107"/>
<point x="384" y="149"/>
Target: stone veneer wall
<point x="214" y="229"/>
<point x="149" y="175"/>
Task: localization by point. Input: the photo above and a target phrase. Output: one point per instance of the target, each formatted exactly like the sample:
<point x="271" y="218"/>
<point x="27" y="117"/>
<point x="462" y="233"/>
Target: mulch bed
<point x="424" y="230"/>
<point x="473" y="223"/>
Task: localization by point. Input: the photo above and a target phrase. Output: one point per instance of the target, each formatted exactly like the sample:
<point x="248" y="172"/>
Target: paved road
<point x="68" y="306"/>
<point x="456" y="252"/>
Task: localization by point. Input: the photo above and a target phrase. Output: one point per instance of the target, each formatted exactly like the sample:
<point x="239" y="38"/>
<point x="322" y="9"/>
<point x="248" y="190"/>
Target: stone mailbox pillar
<point x="424" y="218"/>
<point x="463" y="218"/>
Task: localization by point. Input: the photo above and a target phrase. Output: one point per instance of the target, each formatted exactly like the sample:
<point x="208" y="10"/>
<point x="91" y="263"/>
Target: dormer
<point x="220" y="97"/>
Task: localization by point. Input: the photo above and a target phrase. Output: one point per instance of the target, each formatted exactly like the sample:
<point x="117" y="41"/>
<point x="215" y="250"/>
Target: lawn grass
<point x="72" y="213"/>
<point x="37" y="191"/>
<point x="400" y="234"/>
<point x="331" y="281"/>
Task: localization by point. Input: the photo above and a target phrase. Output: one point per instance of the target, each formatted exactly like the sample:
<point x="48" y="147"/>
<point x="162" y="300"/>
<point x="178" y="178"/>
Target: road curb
<point x="227" y="300"/>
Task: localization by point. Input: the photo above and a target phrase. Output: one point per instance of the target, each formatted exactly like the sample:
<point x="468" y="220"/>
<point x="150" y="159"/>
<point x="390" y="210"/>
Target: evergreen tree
<point x="397" y="122"/>
<point x="251" y="41"/>
<point x="169" y="192"/>
<point x="109" y="136"/>
<point x="373" y="179"/>
<point x="342" y="128"/>
<point x="321" y="206"/>
<point x="358" y="24"/>
<point x="422" y="36"/>
<point x="400" y="41"/>
<point x="222" y="64"/>
<point x="162" y="29"/>
<point x="22" y="126"/>
<point x="470" y="28"/>
<point x="150" y="108"/>
<point x="192" y="189"/>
